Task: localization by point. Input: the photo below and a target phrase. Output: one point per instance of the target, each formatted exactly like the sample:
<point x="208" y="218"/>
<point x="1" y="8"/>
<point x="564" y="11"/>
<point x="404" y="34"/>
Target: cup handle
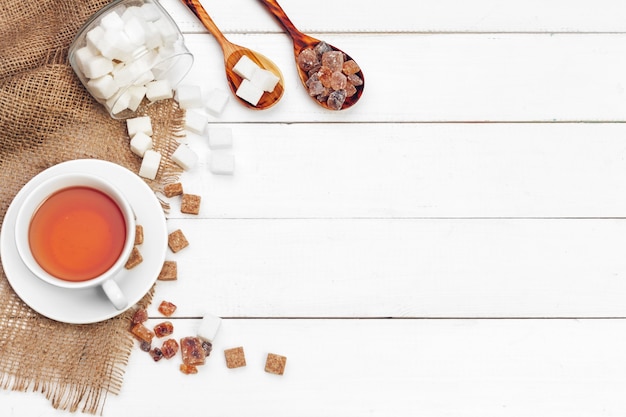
<point x="114" y="293"/>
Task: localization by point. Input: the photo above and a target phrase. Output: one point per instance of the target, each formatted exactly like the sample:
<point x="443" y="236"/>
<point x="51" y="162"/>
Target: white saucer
<point x="89" y="305"/>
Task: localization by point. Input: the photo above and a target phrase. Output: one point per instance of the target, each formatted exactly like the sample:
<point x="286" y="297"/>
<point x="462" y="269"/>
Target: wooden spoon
<point x="232" y="54"/>
<point x="301" y="42"/>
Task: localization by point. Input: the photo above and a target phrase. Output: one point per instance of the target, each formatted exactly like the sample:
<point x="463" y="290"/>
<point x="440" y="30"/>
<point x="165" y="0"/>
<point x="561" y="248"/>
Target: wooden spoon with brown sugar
<point x="332" y="78"/>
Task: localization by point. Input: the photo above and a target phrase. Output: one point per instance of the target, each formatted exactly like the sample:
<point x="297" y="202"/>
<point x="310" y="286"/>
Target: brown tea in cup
<point x="77" y="233"/>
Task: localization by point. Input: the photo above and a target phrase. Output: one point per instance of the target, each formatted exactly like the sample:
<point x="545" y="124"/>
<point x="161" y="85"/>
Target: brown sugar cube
<point x="138" y="234"/>
<point x="156" y="354"/>
<point x="140" y="316"/>
<point x="171" y="190"/>
<point x="142" y="333"/>
<point x="177" y="241"/>
<point x="169" y="272"/>
<point x="235" y="357"/>
<point x="169" y="348"/>
<point x="134" y="259"/>
<point x="163" y="329"/>
<point x="275" y="364"/>
<point x="166" y="308"/>
<point x="188" y="369"/>
<point x="191" y="351"/>
<point x="190" y="204"/>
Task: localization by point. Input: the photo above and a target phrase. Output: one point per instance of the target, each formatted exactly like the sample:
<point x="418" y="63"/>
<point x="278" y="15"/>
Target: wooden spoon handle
<point x="201" y="13"/>
<point x="300" y="40"/>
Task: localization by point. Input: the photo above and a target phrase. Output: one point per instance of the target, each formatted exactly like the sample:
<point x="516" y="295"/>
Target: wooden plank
<point x="399" y="268"/>
<point x="446" y="78"/>
<point x="247" y="16"/>
<point x="382" y="368"/>
<point x="414" y="170"/>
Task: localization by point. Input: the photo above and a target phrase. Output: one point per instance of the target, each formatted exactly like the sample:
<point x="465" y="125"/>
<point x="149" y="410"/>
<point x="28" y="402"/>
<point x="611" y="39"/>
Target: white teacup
<point x="77" y="231"/>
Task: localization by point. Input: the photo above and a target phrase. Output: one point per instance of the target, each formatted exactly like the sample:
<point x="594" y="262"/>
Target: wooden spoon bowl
<point x="232" y="53"/>
<point x="301" y="42"/>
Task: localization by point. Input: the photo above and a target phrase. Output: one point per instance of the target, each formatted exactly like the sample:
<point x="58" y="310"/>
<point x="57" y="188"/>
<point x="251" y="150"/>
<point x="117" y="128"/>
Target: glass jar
<point x="128" y="53"/>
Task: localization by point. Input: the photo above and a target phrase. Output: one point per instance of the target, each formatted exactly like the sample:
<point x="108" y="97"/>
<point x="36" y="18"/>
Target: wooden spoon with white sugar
<point x="248" y="94"/>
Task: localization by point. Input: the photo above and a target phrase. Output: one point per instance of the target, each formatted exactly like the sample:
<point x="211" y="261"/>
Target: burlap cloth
<point x="47" y="117"/>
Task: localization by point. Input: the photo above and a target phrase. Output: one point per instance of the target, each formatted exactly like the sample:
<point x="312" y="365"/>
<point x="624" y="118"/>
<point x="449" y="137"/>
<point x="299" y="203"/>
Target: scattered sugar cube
<point x="139" y="124"/>
<point x="167" y="308"/>
<point x="169" y="271"/>
<point x="177" y="241"/>
<point x="191" y="351"/>
<point x="159" y="90"/>
<point x="138" y="234"/>
<point x="104" y="87"/>
<point x="275" y="364"/>
<point x="208" y="328"/>
<point x="196" y="122"/>
<point x="249" y="92"/>
<point x="216" y="101"/>
<point x="171" y="190"/>
<point x="140" y="143"/>
<point x="264" y="79"/>
<point x="184" y="157"/>
<point x="134" y="259"/>
<point x="220" y="138"/>
<point x="190" y="204"/>
<point x="97" y="66"/>
<point x="245" y="67"/>
<point x="235" y="357"/>
<point x="221" y="164"/>
<point x="189" y="96"/>
<point x="150" y="164"/>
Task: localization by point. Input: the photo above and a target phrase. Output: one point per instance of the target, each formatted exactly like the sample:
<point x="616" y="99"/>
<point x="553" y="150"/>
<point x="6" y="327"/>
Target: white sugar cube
<point x="139" y="124"/>
<point x="153" y="37"/>
<point x="83" y="56"/>
<point x="189" y="96"/>
<point x="159" y="90"/>
<point x="249" y="92"/>
<point x="104" y="87"/>
<point x="93" y="37"/>
<point x="145" y="78"/>
<point x="216" y="101"/>
<point x="140" y="143"/>
<point x="185" y="157"/>
<point x="131" y="12"/>
<point x="220" y="138"/>
<point x="150" y="12"/>
<point x="150" y="164"/>
<point x="167" y="30"/>
<point x="208" y="328"/>
<point x="115" y="44"/>
<point x="118" y="103"/>
<point x="221" y="164"/>
<point x="97" y="66"/>
<point x="126" y="74"/>
<point x="135" y="31"/>
<point x="196" y="122"/>
<point x="264" y="79"/>
<point x="112" y="21"/>
<point x="245" y="67"/>
<point x="136" y="94"/>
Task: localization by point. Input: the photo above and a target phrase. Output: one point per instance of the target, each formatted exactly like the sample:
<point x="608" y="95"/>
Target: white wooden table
<point x="453" y="245"/>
